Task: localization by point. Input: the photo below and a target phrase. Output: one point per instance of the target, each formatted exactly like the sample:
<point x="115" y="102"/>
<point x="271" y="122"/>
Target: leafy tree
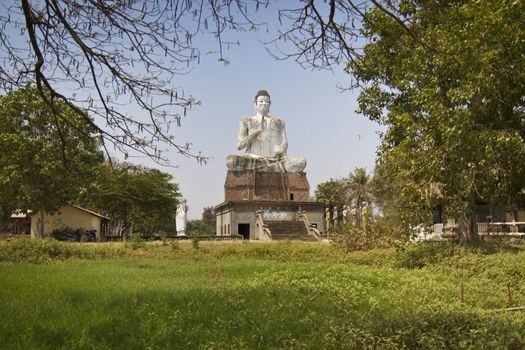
<point x="200" y="228"/>
<point x="449" y="86"/>
<point x="354" y="191"/>
<point x="6" y="209"/>
<point x="360" y="188"/>
<point x="45" y="161"/>
<point x="208" y="216"/>
<point x="385" y="192"/>
<point x="204" y="226"/>
<point x="137" y="199"/>
<point x="356" y="188"/>
<point x="333" y="192"/>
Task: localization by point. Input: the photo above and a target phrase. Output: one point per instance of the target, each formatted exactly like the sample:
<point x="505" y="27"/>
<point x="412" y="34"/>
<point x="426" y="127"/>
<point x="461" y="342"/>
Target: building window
<point x="291" y="196"/>
<point x="229" y="229"/>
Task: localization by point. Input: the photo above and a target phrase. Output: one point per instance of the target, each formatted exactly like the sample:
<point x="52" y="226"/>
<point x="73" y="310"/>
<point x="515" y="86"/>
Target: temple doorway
<point x="244" y="230"/>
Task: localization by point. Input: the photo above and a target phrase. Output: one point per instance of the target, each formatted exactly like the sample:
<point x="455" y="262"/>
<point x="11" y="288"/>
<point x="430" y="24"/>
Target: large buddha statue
<point x="264" y="140"/>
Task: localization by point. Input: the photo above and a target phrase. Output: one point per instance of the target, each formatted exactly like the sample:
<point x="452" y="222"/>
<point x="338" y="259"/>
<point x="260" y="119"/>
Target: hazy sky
<point x="321" y="122"/>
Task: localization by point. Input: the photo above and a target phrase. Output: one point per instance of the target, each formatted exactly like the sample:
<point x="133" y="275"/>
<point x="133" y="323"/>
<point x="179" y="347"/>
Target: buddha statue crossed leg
<point x="263" y="138"/>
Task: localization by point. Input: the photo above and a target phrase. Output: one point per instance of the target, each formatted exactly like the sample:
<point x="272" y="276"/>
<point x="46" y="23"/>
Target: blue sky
<point x="321" y="122"/>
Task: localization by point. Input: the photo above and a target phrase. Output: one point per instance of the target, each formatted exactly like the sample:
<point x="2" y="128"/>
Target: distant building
<point x="490" y="220"/>
<point x="72" y="216"/>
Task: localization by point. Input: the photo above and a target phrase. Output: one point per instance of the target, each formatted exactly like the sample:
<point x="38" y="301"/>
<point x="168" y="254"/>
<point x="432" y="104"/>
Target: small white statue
<point x="336" y="218"/>
<point x="263" y="138"/>
<point x="181" y="218"/>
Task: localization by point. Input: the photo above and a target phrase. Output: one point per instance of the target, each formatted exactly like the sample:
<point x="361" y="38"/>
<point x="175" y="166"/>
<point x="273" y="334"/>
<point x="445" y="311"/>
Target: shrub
<point x="418" y="255"/>
<point x="175" y="245"/>
<point x="195" y="242"/>
<point x="431" y="329"/>
<point x="38" y="251"/>
<point x="376" y="234"/>
<point x="74" y="235"/>
<point x="374" y="257"/>
<point x="447" y="254"/>
<point x="138" y="243"/>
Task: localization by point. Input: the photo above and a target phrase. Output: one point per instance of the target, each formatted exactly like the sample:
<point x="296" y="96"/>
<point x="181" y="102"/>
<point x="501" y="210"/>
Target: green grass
<point x="258" y="296"/>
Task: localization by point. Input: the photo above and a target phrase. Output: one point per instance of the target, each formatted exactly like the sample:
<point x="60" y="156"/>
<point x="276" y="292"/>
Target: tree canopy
<point x="446" y="78"/>
<point x="137" y="199"/>
<point x="333" y="192"/>
<point x="354" y="190"/>
<point x="450" y="87"/>
<point x="204" y="226"/>
<point x="45" y="161"/>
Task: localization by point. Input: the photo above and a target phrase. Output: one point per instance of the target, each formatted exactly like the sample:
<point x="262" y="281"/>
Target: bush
<point x="175" y="245"/>
<point x="138" y="243"/>
<point x="418" y="255"/>
<point x="74" y="235"/>
<point x="195" y="242"/>
<point x="432" y="329"/>
<point x="377" y="234"/>
<point x="38" y="251"/>
<point x="375" y="257"/>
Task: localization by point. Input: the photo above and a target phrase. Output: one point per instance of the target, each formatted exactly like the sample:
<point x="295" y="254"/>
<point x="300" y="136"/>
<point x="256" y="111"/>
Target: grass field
<point x="258" y="296"/>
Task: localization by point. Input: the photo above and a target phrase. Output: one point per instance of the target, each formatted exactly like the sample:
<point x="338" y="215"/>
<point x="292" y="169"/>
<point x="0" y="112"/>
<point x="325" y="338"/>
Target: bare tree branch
<point x="100" y="57"/>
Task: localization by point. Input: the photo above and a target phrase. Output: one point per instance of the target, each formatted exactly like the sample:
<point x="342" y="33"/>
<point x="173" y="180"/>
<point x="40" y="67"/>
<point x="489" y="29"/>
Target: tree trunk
<point x="468" y="229"/>
<point x="468" y="224"/>
<point x="41" y="223"/>
<point x="131" y="229"/>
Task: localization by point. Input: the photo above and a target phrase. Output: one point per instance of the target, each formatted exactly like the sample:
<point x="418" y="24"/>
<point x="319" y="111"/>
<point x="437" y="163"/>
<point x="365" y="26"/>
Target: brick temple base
<point x="265" y="186"/>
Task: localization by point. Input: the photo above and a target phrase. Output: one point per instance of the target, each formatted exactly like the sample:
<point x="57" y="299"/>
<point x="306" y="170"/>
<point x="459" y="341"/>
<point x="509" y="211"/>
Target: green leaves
<point x="134" y="195"/>
<point x="356" y="189"/>
<point x="45" y="160"/>
<point x="450" y="90"/>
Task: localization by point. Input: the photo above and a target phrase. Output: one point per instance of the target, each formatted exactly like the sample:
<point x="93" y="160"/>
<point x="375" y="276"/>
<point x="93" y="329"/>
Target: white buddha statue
<point x="264" y="140"/>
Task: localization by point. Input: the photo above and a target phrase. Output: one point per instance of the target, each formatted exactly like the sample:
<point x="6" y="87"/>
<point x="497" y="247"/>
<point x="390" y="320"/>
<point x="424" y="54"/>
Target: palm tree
<point x="360" y="189"/>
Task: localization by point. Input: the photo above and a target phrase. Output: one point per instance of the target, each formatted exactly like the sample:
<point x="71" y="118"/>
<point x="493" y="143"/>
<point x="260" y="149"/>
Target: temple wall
<point x="250" y="185"/>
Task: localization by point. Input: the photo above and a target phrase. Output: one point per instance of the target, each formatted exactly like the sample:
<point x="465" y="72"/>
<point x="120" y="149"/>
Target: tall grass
<point x="263" y="296"/>
<point x="39" y="251"/>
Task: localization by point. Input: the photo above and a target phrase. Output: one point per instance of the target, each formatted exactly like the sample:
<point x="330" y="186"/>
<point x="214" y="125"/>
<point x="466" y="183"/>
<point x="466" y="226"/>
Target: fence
<point x="511" y="228"/>
<point x="209" y="238"/>
<point x="180" y="238"/>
